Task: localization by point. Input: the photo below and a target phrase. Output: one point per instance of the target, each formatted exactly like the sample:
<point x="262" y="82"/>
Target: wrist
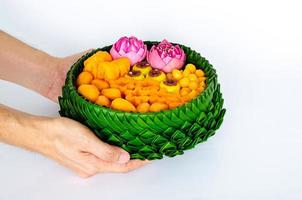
<point x="46" y="69"/>
<point x="23" y="130"/>
<point x="53" y="78"/>
<point x="38" y="133"/>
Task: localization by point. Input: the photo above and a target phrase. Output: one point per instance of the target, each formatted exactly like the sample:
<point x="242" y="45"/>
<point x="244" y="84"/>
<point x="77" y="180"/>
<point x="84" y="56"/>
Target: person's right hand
<point x="64" y="140"/>
<point x="76" y="147"/>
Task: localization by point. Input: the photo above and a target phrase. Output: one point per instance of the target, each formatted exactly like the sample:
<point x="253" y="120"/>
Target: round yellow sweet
<point x="184" y="82"/>
<point x="184" y="91"/>
<point x="201" y="79"/>
<point x="199" y="73"/>
<point x="192" y="94"/>
<point x="191" y="68"/>
<point x="192" y="77"/>
<point x="177" y="74"/>
<point x="200" y="88"/>
<point x="202" y="84"/>
<point x="186" y="72"/>
<point x="193" y="85"/>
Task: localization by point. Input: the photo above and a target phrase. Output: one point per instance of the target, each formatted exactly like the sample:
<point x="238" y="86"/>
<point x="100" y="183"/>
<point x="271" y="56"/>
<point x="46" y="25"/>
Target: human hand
<point x="65" y="141"/>
<point x="76" y="147"/>
<point x="59" y="67"/>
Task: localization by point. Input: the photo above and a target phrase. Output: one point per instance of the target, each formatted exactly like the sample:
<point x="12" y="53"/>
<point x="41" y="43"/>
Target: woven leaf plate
<point x="149" y="135"/>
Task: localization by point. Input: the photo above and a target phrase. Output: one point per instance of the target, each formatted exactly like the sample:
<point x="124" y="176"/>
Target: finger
<point x="106" y="152"/>
<point x="94" y="165"/>
<point x="123" y="168"/>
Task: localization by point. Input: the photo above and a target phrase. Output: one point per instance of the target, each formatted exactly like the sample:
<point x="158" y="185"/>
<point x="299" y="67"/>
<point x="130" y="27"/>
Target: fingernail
<point x="124" y="157"/>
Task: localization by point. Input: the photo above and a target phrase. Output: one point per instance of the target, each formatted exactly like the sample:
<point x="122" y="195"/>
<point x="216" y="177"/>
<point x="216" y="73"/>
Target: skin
<point x="66" y="141"/>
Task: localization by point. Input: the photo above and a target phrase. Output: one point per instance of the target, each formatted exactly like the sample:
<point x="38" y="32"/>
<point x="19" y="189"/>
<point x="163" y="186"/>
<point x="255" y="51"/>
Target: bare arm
<point x="26" y="66"/>
<point x="66" y="141"/>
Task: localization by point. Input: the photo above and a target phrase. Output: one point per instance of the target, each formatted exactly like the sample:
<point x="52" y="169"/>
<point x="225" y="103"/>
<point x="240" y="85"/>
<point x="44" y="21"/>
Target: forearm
<point x="24" y="65"/>
<point x="22" y="129"/>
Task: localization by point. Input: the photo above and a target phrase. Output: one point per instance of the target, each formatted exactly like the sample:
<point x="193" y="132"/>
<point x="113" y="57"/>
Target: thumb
<point x="108" y="153"/>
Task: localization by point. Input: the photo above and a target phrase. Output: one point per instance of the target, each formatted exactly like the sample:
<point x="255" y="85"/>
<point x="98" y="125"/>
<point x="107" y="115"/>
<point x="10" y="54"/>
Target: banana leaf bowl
<point x="149" y="135"/>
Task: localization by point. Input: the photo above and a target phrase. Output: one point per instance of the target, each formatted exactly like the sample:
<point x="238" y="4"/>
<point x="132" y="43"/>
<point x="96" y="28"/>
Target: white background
<point x="256" y="47"/>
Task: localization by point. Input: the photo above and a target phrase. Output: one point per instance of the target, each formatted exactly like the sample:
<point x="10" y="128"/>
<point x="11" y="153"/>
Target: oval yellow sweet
<point x="84" y="78"/>
<point x="103" y="56"/>
<point x="156" y="107"/>
<point x="95" y="59"/>
<point x="103" y="101"/>
<point x="112" y="93"/>
<point x="100" y="84"/>
<point x="143" y="107"/>
<point x="123" y="105"/>
<point x="90" y="92"/>
<point x="123" y="64"/>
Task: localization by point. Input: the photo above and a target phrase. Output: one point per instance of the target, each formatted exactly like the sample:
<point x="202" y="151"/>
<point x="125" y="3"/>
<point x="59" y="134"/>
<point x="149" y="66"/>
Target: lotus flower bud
<point x="166" y="56"/>
<point x="131" y="48"/>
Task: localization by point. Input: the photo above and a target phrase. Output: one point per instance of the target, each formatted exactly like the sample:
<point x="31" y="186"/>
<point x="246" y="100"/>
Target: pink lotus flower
<point x="166" y="57"/>
<point x="131" y="48"/>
